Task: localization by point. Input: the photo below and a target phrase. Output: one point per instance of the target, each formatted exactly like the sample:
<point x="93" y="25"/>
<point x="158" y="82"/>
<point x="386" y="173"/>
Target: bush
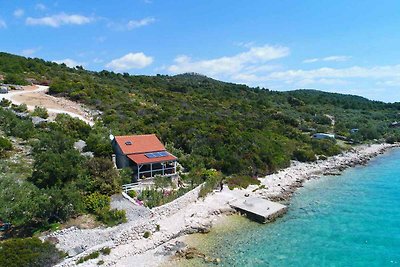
<point x="5" y="145"/>
<point x="211" y="179"/>
<point x="21" y="108"/>
<point x="105" y="251"/>
<point x="93" y="255"/>
<point x="132" y="194"/>
<point x="146" y="234"/>
<point x="40" y="112"/>
<point x="103" y="177"/>
<point x="96" y="203"/>
<point x="28" y="252"/>
<point x="392" y="139"/>
<point x="112" y="217"/>
<point x="5" y="103"/>
<point x="241" y="181"/>
<point x="304" y="155"/>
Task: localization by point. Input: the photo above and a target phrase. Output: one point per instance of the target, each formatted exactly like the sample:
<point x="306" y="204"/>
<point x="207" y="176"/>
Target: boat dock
<point x="258" y="209"/>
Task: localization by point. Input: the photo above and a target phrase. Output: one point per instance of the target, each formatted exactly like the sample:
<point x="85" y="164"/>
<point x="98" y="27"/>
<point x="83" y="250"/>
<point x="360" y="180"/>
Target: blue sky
<point x="338" y="46"/>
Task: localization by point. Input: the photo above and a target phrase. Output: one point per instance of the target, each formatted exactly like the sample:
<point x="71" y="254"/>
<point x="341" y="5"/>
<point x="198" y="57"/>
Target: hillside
<point x="229" y="127"/>
<point x="218" y="130"/>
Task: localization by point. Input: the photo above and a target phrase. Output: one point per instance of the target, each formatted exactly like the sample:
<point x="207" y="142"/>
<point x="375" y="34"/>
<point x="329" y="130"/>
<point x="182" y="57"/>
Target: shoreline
<point x="188" y="215"/>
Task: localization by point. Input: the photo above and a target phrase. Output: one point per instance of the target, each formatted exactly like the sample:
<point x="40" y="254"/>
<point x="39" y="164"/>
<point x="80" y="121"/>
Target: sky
<point x="345" y="46"/>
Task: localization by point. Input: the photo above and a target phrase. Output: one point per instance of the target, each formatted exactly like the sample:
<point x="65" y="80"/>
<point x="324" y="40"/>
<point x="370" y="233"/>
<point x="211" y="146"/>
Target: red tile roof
<point x="139" y="144"/>
<point x="142" y="159"/>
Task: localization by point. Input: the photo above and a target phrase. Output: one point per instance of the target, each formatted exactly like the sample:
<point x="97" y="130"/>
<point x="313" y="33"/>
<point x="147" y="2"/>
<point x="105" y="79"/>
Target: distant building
<point x="323" y="136"/>
<point x="354" y="130"/>
<point x="145" y="154"/>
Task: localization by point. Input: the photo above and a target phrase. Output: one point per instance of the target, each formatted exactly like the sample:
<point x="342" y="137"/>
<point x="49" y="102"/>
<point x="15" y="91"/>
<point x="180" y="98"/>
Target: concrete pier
<point x="258" y="209"/>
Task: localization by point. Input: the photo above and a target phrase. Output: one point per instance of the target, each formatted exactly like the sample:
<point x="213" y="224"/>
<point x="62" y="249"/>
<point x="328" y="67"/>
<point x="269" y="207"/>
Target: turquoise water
<point x="347" y="220"/>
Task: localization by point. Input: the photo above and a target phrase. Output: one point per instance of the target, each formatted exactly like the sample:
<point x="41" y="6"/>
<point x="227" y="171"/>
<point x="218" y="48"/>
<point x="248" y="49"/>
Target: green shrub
<point x="5" y="145"/>
<point x="132" y="193"/>
<point x="104" y="178"/>
<point x="211" y="179"/>
<point x="100" y="262"/>
<point x="40" y="112"/>
<point x="5" y="103"/>
<point x="391" y="139"/>
<point x="158" y="227"/>
<point x="96" y="202"/>
<point x="105" y="251"/>
<point x="112" y="217"/>
<point x="304" y="155"/>
<point x="241" y="181"/>
<point x="28" y="252"/>
<point x="93" y="255"/>
<point x="147" y="234"/>
<point x="21" y="108"/>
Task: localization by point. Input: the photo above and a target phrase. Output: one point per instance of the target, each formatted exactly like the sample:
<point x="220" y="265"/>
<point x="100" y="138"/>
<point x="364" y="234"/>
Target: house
<point x="354" y="130"/>
<point x="323" y="136"/>
<point x="145" y="154"/>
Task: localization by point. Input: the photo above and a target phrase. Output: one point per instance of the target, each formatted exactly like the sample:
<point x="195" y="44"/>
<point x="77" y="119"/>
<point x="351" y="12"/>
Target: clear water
<point x="347" y="220"/>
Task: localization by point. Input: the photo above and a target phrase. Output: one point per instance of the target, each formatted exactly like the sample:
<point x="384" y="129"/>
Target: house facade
<point x="144" y="154"/>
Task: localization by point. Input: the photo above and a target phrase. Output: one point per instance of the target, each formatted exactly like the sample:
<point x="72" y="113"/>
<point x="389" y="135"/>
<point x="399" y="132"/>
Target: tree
<point x="57" y="169"/>
<point x="103" y="177"/>
<point x="28" y="252"/>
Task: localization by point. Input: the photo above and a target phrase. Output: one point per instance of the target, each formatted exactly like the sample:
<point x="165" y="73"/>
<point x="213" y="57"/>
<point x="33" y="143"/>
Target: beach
<point x="188" y="214"/>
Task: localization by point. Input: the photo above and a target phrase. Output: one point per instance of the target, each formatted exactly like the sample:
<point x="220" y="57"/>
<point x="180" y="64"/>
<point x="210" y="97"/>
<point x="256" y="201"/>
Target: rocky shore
<point x="153" y="239"/>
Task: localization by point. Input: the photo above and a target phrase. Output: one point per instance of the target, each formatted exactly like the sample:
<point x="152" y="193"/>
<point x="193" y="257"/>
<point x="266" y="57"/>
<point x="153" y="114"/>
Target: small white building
<point x="323" y="136"/>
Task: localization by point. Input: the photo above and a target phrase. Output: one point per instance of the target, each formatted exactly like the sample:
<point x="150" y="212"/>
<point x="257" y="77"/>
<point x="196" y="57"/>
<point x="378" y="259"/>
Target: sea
<point x="347" y="220"/>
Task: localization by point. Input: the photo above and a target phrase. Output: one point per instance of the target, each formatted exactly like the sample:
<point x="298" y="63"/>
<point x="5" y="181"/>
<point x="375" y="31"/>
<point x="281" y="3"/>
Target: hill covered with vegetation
<point x="239" y="131"/>
<point x="225" y="126"/>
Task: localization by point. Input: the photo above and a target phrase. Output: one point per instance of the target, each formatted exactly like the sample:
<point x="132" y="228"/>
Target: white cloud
<point x="329" y="58"/>
<point x="30" y="51"/>
<point x="69" y="62"/>
<point x="3" y="24"/>
<point x="18" y="13"/>
<point x="133" y="24"/>
<point x="130" y="61"/>
<point x="239" y="64"/>
<point x="59" y="20"/>
<point x="40" y="7"/>
<point x="311" y="60"/>
<point x="98" y="60"/>
<point x="377" y="72"/>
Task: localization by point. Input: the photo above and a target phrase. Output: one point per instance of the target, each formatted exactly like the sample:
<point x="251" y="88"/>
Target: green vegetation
<point x="59" y="183"/>
<point x="93" y="255"/>
<point x="147" y="234"/>
<point x="40" y="112"/>
<point x="29" y="252"/>
<point x="219" y="131"/>
<point x="5" y="146"/>
<point x="153" y="197"/>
